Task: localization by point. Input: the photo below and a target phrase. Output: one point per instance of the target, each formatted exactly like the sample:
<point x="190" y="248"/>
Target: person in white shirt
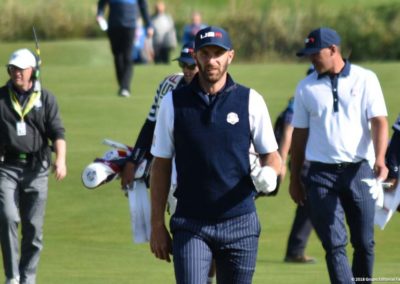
<point x="340" y="127"/>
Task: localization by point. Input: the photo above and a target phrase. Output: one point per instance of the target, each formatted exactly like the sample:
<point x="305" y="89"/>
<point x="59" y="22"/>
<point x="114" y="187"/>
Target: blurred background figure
<point x="164" y="39"/>
<point x="121" y="32"/>
<point x="190" y="30"/>
<point x="142" y="51"/>
<point x="301" y="226"/>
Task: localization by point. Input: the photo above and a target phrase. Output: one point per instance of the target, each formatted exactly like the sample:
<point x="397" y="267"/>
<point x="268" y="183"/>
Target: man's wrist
<point x="130" y="163"/>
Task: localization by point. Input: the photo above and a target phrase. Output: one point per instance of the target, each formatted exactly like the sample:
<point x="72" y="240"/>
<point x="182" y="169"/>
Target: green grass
<point x="87" y="233"/>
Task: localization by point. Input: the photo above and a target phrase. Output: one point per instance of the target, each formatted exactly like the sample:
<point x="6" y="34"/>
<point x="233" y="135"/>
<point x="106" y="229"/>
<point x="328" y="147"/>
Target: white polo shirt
<point x="344" y="135"/>
<point x="260" y="126"/>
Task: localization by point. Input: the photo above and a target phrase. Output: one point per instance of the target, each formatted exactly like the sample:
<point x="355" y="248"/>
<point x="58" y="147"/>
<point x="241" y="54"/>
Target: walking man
<point x="208" y="126"/>
<point x="29" y="119"/>
<point x="340" y="127"/>
<point x="121" y="32"/>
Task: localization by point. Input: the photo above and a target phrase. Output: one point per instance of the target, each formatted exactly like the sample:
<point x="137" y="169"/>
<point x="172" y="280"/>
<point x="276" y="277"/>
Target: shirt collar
<point x="343" y="73"/>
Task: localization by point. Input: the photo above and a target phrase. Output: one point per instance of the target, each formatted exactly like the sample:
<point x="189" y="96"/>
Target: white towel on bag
<point x="139" y="207"/>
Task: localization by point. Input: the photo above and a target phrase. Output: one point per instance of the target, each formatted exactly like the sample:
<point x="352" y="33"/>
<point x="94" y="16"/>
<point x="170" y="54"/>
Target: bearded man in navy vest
<point x="208" y="126"/>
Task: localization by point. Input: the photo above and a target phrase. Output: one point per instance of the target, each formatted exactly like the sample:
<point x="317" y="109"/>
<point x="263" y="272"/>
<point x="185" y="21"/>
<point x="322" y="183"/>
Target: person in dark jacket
<point x="301" y="226"/>
<point x="121" y="32"/>
<point x="393" y="156"/>
<point x="29" y="119"/>
<point x="141" y="149"/>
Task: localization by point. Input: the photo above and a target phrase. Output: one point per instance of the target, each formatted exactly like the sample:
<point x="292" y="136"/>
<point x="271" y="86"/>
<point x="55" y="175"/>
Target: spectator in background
<point x="301" y="227"/>
<point x="190" y="31"/>
<point x="164" y="39"/>
<point x="121" y="32"/>
<point x="142" y="51"/>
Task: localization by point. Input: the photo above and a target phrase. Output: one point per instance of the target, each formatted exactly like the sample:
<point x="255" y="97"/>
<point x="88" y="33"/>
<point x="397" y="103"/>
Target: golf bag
<point x="108" y="168"/>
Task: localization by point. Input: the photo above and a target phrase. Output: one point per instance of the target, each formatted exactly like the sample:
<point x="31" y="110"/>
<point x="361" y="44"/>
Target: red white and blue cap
<point x="212" y="36"/>
<point x="186" y="54"/>
<point x="319" y="39"/>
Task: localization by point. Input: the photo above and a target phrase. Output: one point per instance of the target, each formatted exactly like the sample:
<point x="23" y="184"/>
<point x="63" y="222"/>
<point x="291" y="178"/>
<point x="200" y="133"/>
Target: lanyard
<point x="23" y="111"/>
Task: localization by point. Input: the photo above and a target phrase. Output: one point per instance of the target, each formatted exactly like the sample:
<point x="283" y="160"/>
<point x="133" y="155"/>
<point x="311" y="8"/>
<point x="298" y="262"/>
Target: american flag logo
<point x="309" y="40"/>
<point x="187" y="50"/>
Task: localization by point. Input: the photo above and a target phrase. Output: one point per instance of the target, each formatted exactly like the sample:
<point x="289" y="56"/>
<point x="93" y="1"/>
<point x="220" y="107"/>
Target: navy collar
<point x="343" y="73"/>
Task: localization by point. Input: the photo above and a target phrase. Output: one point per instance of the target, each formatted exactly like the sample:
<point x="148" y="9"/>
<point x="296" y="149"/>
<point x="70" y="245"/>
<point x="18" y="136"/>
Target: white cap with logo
<point x="22" y="58"/>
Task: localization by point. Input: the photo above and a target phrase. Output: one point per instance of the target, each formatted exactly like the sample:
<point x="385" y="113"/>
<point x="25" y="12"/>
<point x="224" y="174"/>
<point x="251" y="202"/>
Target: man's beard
<point x="217" y="73"/>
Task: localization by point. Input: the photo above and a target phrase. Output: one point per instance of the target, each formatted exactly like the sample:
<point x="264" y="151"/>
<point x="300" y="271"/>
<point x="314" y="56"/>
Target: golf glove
<point x="376" y="190"/>
<point x="264" y="178"/>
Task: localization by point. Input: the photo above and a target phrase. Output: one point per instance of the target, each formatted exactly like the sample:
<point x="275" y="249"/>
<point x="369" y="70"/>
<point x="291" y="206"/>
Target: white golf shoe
<point x="12" y="281"/>
<point x="124" y="93"/>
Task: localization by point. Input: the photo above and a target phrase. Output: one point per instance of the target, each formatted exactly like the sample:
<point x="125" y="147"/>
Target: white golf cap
<point x="22" y="58"/>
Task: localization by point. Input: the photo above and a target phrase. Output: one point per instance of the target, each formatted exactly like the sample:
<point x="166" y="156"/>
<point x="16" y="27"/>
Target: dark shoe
<point x="300" y="259"/>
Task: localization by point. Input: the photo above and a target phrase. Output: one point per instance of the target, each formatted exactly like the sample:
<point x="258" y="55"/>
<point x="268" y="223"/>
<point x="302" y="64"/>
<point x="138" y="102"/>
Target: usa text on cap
<point x="319" y="39"/>
<point x="212" y="36"/>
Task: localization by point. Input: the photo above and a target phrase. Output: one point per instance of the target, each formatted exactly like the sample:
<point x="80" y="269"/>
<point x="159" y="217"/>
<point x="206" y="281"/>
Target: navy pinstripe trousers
<point x="233" y="243"/>
<point x="335" y="194"/>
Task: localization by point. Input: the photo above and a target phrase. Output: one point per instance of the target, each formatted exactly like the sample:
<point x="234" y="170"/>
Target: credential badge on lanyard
<point x="23" y="111"/>
<point x="21" y="128"/>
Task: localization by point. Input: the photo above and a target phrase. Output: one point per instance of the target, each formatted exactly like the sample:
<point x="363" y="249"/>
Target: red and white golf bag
<point x="108" y="168"/>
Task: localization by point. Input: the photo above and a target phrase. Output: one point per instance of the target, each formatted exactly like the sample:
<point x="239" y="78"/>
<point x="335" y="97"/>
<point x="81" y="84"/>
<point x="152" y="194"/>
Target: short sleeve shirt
<point x="341" y="135"/>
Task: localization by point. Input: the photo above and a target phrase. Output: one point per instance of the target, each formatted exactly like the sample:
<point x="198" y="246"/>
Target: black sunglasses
<point x="185" y="65"/>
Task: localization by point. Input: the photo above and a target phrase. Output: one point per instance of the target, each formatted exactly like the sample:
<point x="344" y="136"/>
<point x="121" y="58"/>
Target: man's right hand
<point x="161" y="243"/>
<point x="128" y="175"/>
<point x="297" y="192"/>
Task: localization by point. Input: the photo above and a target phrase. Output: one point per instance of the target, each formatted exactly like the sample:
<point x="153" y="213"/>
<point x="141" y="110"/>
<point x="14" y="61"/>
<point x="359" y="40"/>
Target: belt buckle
<point x="342" y="165"/>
